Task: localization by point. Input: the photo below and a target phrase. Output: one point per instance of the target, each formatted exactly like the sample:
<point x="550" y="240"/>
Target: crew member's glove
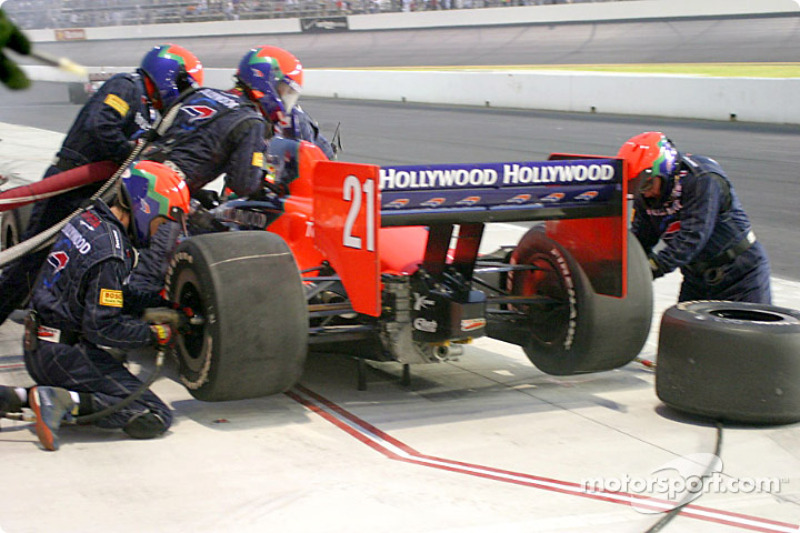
<point x="655" y="267"/>
<point x="162" y="335"/>
<point x="207" y="198"/>
<point x="175" y="316"/>
<point x="11" y="37"/>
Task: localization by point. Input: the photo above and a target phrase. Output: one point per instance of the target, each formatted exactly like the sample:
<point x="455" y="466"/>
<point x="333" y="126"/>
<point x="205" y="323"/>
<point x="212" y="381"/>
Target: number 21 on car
<point x="347" y="219"/>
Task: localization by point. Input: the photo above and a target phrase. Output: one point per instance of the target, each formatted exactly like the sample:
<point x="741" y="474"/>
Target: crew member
<point x="103" y="131"/>
<point x="273" y="78"/>
<point x="82" y="306"/>
<point x="215" y="132"/>
<point x="688" y="216"/>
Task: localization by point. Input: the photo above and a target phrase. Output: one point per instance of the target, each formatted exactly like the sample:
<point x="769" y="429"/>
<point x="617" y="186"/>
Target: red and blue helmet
<point x="649" y="155"/>
<point x="153" y="190"/>
<point x="272" y="78"/>
<point x="168" y="70"/>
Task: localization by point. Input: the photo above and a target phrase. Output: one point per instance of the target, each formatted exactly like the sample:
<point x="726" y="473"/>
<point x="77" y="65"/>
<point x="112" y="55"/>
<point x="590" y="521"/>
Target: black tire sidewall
<point x="560" y="356"/>
<point x="733" y="369"/>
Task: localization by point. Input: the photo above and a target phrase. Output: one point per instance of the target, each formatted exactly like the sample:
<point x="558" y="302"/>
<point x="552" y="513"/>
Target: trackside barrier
<point x="767" y="100"/>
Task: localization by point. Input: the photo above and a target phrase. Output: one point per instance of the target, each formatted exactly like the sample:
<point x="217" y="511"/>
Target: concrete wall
<point x="694" y="97"/>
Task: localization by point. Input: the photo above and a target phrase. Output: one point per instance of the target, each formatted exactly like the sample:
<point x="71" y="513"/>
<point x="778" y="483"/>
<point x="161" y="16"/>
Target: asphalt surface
<point x="761" y="39"/>
<point x="762" y="160"/>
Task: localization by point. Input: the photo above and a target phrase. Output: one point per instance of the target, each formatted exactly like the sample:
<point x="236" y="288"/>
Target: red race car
<point x="383" y="263"/>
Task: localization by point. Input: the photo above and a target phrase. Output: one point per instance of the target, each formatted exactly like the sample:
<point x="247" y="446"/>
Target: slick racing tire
<point x="575" y="330"/>
<point x="732" y="361"/>
<point x="246" y="288"/>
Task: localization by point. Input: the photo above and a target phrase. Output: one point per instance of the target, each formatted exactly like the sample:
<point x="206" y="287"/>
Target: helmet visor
<point x="289" y="95"/>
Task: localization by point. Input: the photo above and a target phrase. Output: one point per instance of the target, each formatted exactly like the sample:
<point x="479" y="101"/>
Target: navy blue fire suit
<point x="302" y="127"/>
<point x="214" y="133"/>
<point x="101" y="132"/>
<point x="699" y="225"/>
<point x="84" y="304"/>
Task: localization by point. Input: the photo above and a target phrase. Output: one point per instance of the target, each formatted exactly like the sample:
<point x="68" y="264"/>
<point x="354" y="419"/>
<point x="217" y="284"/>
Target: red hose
<point x="57" y="184"/>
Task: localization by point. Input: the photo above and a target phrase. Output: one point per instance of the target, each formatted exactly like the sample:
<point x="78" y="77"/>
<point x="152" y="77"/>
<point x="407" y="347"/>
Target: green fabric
<point x="12" y="38"/>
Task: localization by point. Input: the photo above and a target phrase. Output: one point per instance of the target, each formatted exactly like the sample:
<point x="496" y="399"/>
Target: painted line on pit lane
<point x="395" y="449"/>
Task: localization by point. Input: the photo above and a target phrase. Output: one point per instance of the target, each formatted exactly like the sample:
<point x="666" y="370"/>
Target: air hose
<point x="132" y="397"/>
<point x="46" y="237"/>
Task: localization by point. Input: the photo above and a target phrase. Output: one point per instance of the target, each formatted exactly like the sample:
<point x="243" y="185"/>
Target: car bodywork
<point x="391" y="265"/>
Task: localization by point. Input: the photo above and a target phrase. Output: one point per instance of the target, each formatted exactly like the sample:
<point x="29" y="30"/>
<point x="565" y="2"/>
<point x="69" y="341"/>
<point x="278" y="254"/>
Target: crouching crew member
<point x="83" y="307"/>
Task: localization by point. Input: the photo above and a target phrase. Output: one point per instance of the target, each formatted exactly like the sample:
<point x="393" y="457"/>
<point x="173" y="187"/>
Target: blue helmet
<point x="272" y="78"/>
<point x="151" y="190"/>
<point x="168" y="70"/>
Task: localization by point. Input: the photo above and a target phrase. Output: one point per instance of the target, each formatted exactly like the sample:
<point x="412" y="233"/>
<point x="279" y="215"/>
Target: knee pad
<point x="145" y="426"/>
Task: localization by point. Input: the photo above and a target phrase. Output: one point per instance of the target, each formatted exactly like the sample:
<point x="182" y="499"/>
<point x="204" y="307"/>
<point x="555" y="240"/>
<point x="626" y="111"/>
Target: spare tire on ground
<point x="731" y="361"/>
<point x="252" y="338"/>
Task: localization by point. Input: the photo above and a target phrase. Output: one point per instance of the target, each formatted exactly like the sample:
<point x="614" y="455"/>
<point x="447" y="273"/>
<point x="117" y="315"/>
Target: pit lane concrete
<point x="487" y="443"/>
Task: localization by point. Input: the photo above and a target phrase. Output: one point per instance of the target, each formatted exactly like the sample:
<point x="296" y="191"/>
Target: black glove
<point x="655" y="267"/>
<point x="11" y="37"/>
<point x="207" y="198"/>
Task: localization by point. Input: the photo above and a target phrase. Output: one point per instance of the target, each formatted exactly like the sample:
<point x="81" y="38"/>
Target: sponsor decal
<point x="469" y="200"/>
<point x="553" y="197"/>
<point x="323" y="24"/>
<point x="77" y="239"/>
<point x="220" y="97"/>
<point x="396" y="204"/>
<point x="144" y="207"/>
<point x="199" y="112"/>
<point x="58" y="260"/>
<point x="498" y="174"/>
<point x="49" y="334"/>
<point x="586" y="196"/>
<point x="110" y="298"/>
<point x="672" y="229"/>
<point x="519" y="199"/>
<point x="471" y="324"/>
<point x="90" y="220"/>
<point x="433" y="202"/>
<point x="420" y="302"/>
<point x="245" y="218"/>
<point x="117" y="104"/>
<point x="422" y="324"/>
<point x="72" y="34"/>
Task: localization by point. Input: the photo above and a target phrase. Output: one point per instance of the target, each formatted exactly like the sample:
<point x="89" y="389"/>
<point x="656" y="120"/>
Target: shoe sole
<point x="46" y="436"/>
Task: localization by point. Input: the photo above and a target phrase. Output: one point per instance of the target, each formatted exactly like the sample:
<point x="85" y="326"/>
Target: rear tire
<point x="732" y="361"/>
<point x="247" y="287"/>
<point x="579" y="330"/>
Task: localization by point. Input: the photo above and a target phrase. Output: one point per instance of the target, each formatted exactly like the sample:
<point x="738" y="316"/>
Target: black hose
<point x="135" y="395"/>
<point x="667" y="518"/>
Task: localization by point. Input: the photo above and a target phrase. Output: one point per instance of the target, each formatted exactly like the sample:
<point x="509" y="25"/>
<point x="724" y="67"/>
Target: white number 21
<point x="352" y="193"/>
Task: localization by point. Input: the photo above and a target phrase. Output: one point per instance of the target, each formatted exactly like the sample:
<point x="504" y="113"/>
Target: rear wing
<point x="500" y="192"/>
<point x="583" y="201"/>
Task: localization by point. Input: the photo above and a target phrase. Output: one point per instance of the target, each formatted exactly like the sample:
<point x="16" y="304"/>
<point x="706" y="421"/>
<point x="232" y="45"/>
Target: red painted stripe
<point x="363" y="430"/>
